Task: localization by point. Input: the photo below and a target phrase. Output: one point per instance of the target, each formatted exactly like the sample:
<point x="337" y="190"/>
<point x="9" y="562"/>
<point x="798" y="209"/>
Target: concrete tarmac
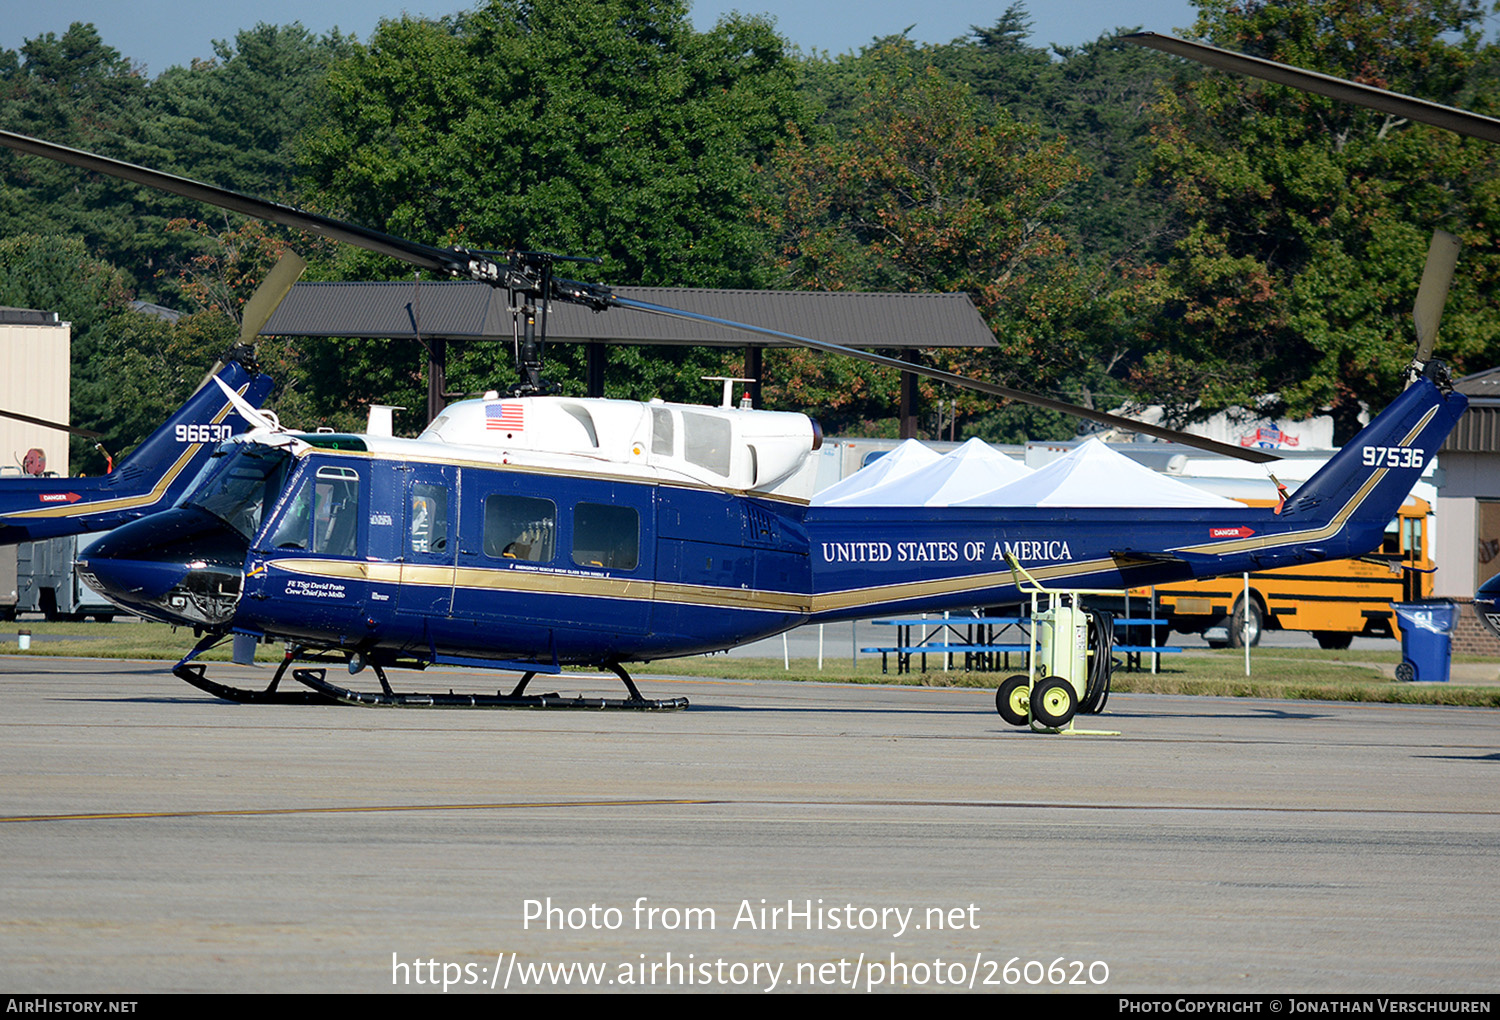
<point x="773" y="836"/>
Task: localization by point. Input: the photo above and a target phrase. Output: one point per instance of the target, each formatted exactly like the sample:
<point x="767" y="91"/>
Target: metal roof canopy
<point x="462" y="310"/>
<point x="438" y="311"/>
<point x="1478" y="430"/>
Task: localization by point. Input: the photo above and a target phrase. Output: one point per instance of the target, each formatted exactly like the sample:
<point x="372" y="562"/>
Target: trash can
<point x="1426" y="639"/>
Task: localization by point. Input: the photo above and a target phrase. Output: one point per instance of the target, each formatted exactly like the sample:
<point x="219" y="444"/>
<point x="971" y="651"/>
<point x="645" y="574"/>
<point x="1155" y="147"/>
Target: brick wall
<point x="1470" y="636"/>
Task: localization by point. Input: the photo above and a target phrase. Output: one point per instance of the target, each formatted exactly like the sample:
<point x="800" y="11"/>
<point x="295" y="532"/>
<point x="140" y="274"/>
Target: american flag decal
<point x="507" y="417"/>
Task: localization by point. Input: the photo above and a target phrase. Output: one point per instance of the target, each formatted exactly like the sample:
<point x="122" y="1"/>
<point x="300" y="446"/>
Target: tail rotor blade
<point x="269" y="295"/>
<point x="1432" y="295"/>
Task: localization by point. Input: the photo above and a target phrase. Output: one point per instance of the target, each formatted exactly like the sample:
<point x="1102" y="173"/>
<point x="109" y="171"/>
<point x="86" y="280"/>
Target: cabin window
<point x="323" y="516"/>
<point x="429" y="518"/>
<point x="606" y="536"/>
<point x="520" y="528"/>
<point x="661" y="432"/>
<point x="706" y="441"/>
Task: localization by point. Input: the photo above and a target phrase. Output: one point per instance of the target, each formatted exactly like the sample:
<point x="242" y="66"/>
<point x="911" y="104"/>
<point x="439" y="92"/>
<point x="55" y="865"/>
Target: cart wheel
<point x="1053" y="702"/>
<point x="1406" y="672"/>
<point x="1013" y="700"/>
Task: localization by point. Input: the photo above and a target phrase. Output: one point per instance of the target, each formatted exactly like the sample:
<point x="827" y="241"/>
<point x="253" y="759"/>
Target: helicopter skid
<point x="317" y="680"/>
<point x="321" y="692"/>
<point x="194" y="673"/>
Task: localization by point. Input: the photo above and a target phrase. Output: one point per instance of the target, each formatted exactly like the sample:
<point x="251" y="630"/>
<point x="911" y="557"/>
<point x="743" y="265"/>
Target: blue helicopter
<point x="160" y="469"/>
<point x="532" y="532"/>
<point x="150" y="479"/>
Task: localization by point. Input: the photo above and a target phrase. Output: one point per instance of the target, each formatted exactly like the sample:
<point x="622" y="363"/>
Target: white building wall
<point x="35" y="380"/>
<point x="1467" y="478"/>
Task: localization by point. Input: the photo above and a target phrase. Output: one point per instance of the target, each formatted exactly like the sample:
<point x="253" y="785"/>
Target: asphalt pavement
<point x="774" y="836"/>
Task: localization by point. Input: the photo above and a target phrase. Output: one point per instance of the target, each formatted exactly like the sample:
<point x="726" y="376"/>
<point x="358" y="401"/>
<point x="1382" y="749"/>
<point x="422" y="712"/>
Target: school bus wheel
<point x="1237" y="623"/>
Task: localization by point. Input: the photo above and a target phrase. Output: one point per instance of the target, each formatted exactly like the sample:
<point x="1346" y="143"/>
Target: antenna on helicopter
<point x="729" y="382"/>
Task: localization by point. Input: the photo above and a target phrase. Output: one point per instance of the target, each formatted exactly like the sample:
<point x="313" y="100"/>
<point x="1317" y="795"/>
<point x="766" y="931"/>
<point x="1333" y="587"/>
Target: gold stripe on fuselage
<point x="545" y="582"/>
<point x="154" y="495"/>
<point x="1333" y="527"/>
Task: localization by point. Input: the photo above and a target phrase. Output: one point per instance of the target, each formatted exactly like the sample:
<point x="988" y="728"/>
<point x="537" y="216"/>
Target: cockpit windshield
<point x="239" y="483"/>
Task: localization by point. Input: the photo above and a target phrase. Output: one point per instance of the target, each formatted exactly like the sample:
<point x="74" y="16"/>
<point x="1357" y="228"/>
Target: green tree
<point x="608" y="128"/>
<point x="75" y="90"/>
<point x="129" y="370"/>
<point x="235" y="120"/>
<point x="934" y="193"/>
<point x="1304" y="221"/>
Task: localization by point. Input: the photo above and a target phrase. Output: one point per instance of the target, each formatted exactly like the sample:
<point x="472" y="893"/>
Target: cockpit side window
<point x="323" y="516"/>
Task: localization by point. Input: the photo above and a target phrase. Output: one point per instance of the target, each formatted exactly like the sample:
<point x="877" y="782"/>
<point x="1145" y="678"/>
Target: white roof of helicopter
<point x="734" y="448"/>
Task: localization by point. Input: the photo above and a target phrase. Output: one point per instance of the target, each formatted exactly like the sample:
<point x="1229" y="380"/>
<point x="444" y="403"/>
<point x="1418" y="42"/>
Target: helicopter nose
<point x="182" y="566"/>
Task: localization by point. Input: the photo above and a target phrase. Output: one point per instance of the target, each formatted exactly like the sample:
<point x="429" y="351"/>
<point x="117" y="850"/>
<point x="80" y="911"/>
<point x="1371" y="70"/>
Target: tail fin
<point x="1364" y="484"/>
<point x="171" y="456"/>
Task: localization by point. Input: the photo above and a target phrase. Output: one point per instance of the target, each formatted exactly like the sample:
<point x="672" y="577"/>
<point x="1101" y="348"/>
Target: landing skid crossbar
<point x="318" y="681"/>
<point x="194" y="672"/>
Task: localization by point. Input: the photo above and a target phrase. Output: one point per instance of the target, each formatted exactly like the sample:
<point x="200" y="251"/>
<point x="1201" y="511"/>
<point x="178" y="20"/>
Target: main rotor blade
<point x="269" y="295"/>
<point x="443" y="260"/>
<point x="1460" y="121"/>
<point x="1432" y="295"/>
<point x="477" y="266"/>
<point x="953" y="379"/>
<point x="44" y="423"/>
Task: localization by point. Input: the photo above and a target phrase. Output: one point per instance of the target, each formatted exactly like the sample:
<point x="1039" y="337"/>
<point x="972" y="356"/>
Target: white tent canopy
<point x="904" y="459"/>
<point x="973" y="468"/>
<point x="1094" y="475"/>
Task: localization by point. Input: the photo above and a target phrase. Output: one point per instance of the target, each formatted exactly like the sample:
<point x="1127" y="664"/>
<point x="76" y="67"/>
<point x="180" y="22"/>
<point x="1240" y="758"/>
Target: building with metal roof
<point x="1468" y="505"/>
<point x="436" y="312"/>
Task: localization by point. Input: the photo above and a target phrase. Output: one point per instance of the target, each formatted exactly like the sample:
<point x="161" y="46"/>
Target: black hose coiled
<point x="1101" y="638"/>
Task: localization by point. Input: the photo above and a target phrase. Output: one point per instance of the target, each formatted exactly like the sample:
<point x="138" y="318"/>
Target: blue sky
<point x="160" y="33"/>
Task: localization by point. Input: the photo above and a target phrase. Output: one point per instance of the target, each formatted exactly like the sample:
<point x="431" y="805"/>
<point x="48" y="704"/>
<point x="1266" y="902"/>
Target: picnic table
<point x="987" y="642"/>
<point x="981" y="640"/>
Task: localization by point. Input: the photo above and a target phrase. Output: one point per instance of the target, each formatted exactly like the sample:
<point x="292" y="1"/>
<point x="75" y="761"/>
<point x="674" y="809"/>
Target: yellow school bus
<point x="1333" y="601"/>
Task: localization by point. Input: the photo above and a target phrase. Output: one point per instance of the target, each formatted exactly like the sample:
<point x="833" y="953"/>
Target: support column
<point x="598" y="360"/>
<point x="909" y="396"/>
<point x="754" y="368"/>
<point x="437" y="377"/>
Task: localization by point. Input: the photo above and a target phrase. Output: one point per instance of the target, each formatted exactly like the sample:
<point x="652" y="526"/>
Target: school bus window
<point x="1391" y="544"/>
<point x="1414" y="529"/>
<point x="606" y="536"/>
<point x="520" y="528"/>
